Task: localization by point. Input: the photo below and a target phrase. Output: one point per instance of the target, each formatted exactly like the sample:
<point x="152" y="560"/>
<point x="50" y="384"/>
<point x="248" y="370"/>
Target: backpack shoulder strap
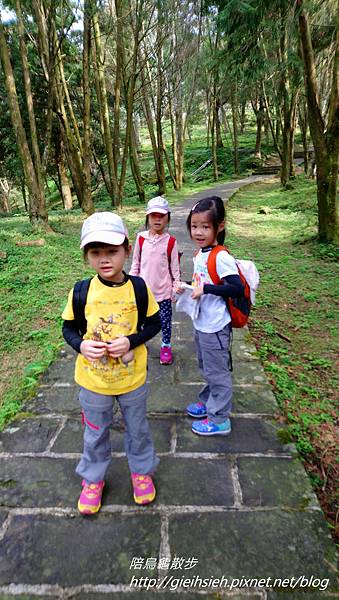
<point x="80" y="292"/>
<point x="141" y="242"/>
<point x="170" y="246"/>
<point x="141" y="298"/>
<point x="212" y="263"/>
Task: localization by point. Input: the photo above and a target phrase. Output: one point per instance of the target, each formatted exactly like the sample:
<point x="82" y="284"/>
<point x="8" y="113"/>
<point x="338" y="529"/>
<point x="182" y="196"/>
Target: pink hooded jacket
<point x="153" y="266"/>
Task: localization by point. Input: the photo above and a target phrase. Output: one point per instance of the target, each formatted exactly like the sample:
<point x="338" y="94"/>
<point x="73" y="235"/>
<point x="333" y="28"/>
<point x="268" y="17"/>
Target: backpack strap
<point x="170" y="247"/>
<point x="141" y="298"/>
<point x="212" y="263"/>
<point x="80" y="292"/>
<point x="141" y="242"/>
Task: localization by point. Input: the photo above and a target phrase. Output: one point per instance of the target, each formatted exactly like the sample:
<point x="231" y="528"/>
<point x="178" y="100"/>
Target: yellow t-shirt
<point x="110" y="312"/>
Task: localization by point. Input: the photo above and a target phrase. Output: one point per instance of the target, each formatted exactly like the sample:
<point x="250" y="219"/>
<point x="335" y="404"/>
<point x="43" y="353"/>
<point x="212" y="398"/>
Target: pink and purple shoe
<point x="90" y="498"/>
<point x="166" y="356"/>
<point x="143" y="488"/>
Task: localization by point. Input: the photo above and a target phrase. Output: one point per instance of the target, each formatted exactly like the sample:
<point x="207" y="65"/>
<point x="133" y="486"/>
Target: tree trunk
<point x="259" y="111"/>
<point x="159" y="98"/>
<point x="86" y="155"/>
<point x="135" y="166"/>
<point x="29" y="101"/>
<point x="213" y="137"/>
<point x="217" y="123"/>
<point x="235" y="128"/>
<point x="103" y="108"/>
<point x="65" y="189"/>
<point x="4" y="196"/>
<point x="242" y="116"/>
<point x="173" y="170"/>
<point x="147" y="94"/>
<point x="208" y="119"/>
<point x="289" y="102"/>
<point x="326" y="143"/>
<point x="37" y="208"/>
<point x="51" y="60"/>
<point x="117" y="90"/>
<point x="303" y="125"/>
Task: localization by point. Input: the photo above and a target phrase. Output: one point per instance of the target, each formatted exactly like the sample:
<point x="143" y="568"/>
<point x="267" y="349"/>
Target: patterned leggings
<point x="166" y="321"/>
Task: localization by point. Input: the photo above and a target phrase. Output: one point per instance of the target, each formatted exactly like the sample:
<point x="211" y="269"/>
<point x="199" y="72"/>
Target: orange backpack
<point x="239" y="308"/>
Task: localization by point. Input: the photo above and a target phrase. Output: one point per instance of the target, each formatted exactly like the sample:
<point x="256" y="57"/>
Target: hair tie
<point x="195" y="206"/>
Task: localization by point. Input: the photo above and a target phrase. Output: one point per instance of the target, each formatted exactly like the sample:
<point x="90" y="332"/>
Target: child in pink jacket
<point x="156" y="260"/>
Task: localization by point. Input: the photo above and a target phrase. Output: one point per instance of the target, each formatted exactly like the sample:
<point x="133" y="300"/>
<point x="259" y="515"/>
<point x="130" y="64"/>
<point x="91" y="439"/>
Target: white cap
<point x="157" y="205"/>
<point x="104" y="227"/>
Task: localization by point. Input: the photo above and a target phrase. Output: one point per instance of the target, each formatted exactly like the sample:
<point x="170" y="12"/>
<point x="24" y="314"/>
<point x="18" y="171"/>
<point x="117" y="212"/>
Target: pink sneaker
<point x="90" y="497"/>
<point x="143" y="488"/>
<point x="166" y="357"/>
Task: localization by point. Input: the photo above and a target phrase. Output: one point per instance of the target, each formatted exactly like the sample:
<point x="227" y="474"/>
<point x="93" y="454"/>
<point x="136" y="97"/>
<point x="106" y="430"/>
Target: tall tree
<point x="37" y="206"/>
<point x="325" y="136"/>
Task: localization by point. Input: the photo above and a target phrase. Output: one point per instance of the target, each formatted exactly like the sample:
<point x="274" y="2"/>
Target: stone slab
<point x="245" y="373"/>
<point x="254" y="399"/>
<point x="55" y="400"/>
<point x="165" y="374"/>
<point x="61" y="370"/>
<point x="3" y="517"/>
<point x="140" y="594"/>
<point x="171" y="398"/>
<point x="250" y="372"/>
<point x="183" y="329"/>
<point x="175" y="397"/>
<point x="27" y="597"/>
<point x="248" y="435"/>
<point x="42" y="482"/>
<point x="257" y="544"/>
<point x="28" y="435"/>
<point x="35" y="548"/>
<point x="241" y="352"/>
<point x="181" y="481"/>
<point x="70" y="438"/>
<point x="185" y="370"/>
<point x="275" y="482"/>
<point x="318" y="593"/>
<point x="38" y="482"/>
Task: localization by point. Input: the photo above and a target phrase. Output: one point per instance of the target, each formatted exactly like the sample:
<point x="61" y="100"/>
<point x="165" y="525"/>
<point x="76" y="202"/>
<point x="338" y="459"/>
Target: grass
<point x="295" y="321"/>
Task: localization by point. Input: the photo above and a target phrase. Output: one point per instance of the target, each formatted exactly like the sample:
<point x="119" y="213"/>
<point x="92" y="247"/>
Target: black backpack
<point x="80" y="292"/>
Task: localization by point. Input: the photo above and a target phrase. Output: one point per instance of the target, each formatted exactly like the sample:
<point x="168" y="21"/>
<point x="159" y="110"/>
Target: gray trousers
<point x="214" y="362"/>
<point x="97" y="412"/>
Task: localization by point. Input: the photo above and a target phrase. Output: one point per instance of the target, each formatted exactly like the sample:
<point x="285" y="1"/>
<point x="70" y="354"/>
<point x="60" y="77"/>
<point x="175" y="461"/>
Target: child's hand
<point x="178" y="288"/>
<point x="92" y="350"/>
<point x="118" y="347"/>
<point x="197" y="292"/>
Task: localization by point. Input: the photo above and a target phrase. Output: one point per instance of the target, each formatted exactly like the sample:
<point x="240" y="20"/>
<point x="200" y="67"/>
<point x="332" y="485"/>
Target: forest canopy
<point x="83" y="84"/>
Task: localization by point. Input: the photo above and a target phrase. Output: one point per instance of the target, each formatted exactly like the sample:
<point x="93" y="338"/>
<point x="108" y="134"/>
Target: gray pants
<point x="98" y="417"/>
<point x="214" y="362"/>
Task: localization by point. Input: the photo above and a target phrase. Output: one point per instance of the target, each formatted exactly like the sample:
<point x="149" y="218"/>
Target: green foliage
<point x="297" y="298"/>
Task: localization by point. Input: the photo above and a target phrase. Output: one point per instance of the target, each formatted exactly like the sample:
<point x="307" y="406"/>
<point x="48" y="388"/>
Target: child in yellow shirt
<point x="112" y="361"/>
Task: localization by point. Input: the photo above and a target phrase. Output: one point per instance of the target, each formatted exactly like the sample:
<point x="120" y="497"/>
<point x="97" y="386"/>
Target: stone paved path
<point x="238" y="508"/>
